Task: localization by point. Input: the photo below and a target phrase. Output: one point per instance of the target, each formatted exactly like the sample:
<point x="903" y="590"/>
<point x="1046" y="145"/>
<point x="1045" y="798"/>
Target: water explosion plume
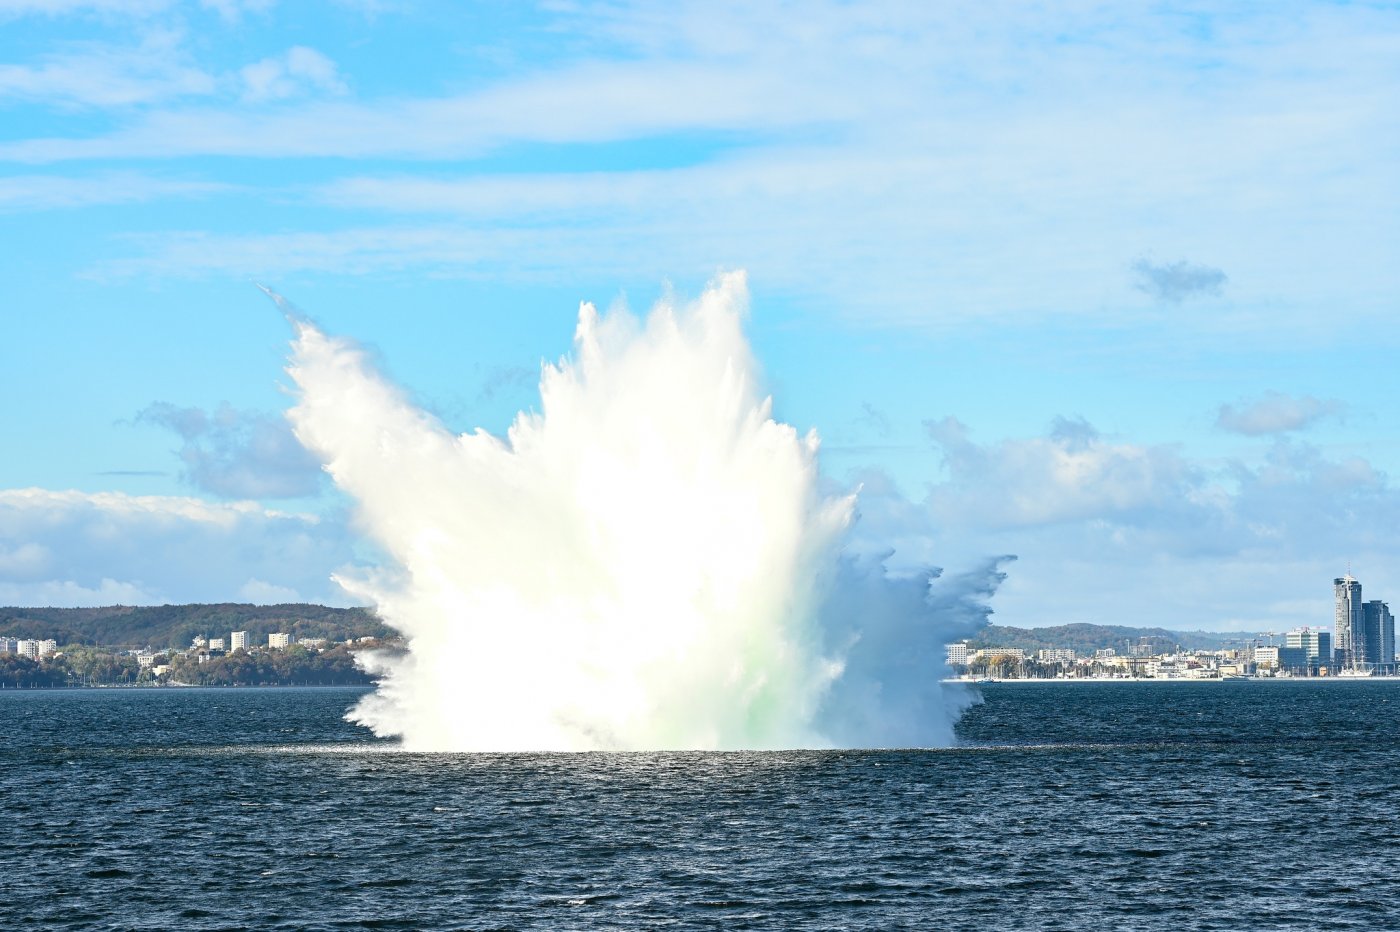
<point x="646" y="563"/>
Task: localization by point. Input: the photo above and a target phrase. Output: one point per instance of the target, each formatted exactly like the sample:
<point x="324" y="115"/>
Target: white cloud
<point x="228" y="9"/>
<point x="53" y="192"/>
<point x="293" y="73"/>
<point x="232" y="10"/>
<point x="135" y="8"/>
<point x="909" y="164"/>
<point x="238" y="454"/>
<point x="260" y="592"/>
<point x="101" y="75"/>
<point x="69" y="594"/>
<point x="1276" y="413"/>
<point x="1070" y="475"/>
<point x="1114" y="532"/>
<point x="24" y="560"/>
<point x="79" y="548"/>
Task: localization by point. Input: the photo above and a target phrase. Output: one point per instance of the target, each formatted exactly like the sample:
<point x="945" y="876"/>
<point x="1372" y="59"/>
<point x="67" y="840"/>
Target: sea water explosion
<point x="646" y="563"/>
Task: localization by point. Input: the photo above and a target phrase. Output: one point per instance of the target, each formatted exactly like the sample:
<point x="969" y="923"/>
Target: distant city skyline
<point x="1088" y="285"/>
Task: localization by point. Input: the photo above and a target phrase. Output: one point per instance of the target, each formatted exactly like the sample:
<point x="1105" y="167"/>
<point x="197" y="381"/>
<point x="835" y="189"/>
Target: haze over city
<point x="1112" y="290"/>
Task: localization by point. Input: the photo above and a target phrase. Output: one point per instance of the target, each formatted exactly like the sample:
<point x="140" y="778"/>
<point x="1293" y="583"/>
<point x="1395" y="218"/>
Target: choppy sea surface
<point x="1085" y="806"/>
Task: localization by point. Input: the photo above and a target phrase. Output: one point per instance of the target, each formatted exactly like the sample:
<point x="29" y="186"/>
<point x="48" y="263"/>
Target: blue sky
<point x="1111" y="287"/>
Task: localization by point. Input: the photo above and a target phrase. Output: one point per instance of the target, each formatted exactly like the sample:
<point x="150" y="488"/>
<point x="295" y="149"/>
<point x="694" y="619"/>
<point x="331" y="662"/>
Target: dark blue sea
<point x="1088" y="806"/>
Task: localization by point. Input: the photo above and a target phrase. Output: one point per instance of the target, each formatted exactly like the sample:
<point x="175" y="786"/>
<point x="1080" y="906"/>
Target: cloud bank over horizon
<point x="76" y="549"/>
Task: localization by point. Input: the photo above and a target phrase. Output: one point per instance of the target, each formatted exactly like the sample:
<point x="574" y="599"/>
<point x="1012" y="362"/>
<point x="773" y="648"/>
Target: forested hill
<point x="1085" y="638"/>
<point x="162" y="626"/>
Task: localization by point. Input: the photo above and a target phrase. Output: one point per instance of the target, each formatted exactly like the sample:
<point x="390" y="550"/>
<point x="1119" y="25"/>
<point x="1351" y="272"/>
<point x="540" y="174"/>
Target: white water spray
<point x="644" y="564"/>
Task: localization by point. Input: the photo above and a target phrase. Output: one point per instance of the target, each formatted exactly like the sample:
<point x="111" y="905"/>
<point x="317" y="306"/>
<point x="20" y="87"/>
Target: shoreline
<point x="1175" y="680"/>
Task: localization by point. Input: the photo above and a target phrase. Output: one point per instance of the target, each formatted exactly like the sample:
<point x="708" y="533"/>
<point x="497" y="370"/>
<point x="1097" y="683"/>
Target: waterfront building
<point x="27" y="647"/>
<point x="1057" y="655"/>
<point x="958" y="654"/>
<point x="1379" y="627"/>
<point x="1305" y="651"/>
<point x="279" y="640"/>
<point x="1266" y="657"/>
<point x="990" y="654"/>
<point x="238" y="640"/>
<point x="1349" y="622"/>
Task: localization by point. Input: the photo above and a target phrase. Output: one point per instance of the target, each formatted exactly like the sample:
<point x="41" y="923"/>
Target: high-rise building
<point x="1350" y="623"/>
<point x="238" y="640"/>
<point x="1380" y="635"/>
<point x="279" y="640"/>
<point x="1305" y="651"/>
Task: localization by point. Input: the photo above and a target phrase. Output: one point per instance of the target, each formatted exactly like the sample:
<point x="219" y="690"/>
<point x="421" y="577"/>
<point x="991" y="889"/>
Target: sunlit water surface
<point x="1210" y="806"/>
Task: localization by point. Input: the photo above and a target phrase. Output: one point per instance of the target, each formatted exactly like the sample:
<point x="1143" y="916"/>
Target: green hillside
<point x="1086" y="638"/>
<point x="162" y="626"/>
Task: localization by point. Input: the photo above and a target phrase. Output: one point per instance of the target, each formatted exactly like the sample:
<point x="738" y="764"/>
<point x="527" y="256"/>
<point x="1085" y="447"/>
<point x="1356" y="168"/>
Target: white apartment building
<point x="216" y="643"/>
<point x="279" y="640"/>
<point x="993" y="654"/>
<point x="238" y="640"/>
<point x="958" y="654"/>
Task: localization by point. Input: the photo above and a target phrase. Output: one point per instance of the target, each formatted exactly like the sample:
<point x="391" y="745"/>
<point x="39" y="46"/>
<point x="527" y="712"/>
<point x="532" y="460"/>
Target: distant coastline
<point x="1236" y="680"/>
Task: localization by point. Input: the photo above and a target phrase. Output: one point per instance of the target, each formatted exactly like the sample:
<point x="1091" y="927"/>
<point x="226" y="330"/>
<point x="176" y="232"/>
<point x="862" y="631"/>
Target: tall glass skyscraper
<point x="1349" y="630"/>
<point x="1380" y="635"/>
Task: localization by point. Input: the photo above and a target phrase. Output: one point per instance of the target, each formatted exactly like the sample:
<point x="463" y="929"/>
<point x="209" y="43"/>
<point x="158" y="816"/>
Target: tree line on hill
<point x="175" y="626"/>
<point x="1084" y="638"/>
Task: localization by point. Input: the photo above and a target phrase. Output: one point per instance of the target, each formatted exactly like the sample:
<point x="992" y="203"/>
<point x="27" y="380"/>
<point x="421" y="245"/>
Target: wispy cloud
<point x="138" y="8"/>
<point x="290" y="74"/>
<point x="238" y="454"/>
<point x="103" y="75"/>
<point x="54" y="192"/>
<point x="1177" y="281"/>
<point x="230" y="10"/>
<point x="1276" y="413"/>
<point x="909" y="165"/>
